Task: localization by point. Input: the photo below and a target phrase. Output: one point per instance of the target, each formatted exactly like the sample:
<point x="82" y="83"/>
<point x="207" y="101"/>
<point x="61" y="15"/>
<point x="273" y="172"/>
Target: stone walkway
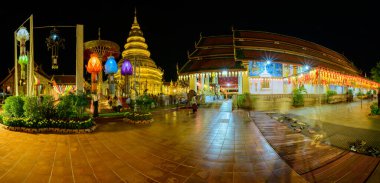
<point x="316" y="162"/>
<point x="209" y="146"/>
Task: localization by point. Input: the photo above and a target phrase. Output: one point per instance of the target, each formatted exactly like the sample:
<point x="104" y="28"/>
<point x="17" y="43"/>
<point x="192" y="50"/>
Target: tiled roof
<point x="240" y="37"/>
<point x="64" y="79"/>
<point x="213" y="52"/>
<point x="210" y="64"/>
<point x="215" y="40"/>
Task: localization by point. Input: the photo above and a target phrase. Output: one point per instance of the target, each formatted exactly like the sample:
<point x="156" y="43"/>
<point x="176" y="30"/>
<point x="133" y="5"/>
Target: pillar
<point x="202" y="86"/>
<point x="207" y="82"/>
<point x="192" y="83"/>
<point x="240" y="84"/>
<point x="79" y="80"/>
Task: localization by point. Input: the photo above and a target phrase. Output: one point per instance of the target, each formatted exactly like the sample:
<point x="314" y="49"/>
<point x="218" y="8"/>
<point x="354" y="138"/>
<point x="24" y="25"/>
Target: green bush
<point x="329" y="94"/>
<point x="375" y="109"/>
<point x="65" y="106"/>
<point x="14" y="106"/>
<point x="80" y="103"/>
<point x="144" y="102"/>
<point x="53" y="123"/>
<point x="39" y="108"/>
<point x="298" y="98"/>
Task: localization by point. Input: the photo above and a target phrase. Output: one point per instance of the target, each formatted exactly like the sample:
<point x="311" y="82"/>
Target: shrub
<point x="144" y="102"/>
<point x="375" y="109"/>
<point x="329" y="94"/>
<point x="298" y="98"/>
<point x="14" y="106"/>
<point x="39" y="108"/>
<point x="32" y="108"/>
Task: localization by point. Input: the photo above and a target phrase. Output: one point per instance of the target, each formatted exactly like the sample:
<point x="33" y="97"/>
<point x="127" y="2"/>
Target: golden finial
<point x="99" y="33"/>
<point x="135" y="20"/>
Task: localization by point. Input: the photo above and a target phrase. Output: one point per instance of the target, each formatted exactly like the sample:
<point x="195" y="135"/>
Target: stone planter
<point x="138" y="121"/>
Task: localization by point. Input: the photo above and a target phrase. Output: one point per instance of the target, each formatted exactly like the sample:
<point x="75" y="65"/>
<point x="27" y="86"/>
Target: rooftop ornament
<point x="22" y="36"/>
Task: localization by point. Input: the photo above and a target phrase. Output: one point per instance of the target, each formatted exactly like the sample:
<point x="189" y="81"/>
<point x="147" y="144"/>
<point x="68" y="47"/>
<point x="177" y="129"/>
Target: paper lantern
<point x="126" y="68"/>
<point x="111" y="65"/>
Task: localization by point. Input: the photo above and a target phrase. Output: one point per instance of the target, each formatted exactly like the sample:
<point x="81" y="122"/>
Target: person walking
<point x="193" y="103"/>
<point x="95" y="99"/>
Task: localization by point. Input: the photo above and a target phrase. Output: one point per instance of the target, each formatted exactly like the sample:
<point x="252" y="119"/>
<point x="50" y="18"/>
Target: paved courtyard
<point x="214" y="145"/>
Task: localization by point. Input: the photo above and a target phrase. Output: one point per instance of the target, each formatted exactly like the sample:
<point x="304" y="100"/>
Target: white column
<point x="31" y="61"/>
<point x="79" y="80"/>
<point x="202" y="82"/>
<point x="240" y="83"/>
<point x="207" y="82"/>
<point x="15" y="88"/>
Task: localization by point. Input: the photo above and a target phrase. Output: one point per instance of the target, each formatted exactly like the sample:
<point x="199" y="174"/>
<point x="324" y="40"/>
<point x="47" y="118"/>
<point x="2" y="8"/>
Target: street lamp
<point x="94" y="66"/>
<point x="111" y="69"/>
<point x="126" y="71"/>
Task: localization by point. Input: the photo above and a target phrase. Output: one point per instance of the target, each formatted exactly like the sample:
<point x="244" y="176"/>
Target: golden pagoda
<point x="146" y="74"/>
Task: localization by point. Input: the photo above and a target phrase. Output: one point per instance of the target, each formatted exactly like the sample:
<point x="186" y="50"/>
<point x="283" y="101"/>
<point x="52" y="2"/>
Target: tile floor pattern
<point x="210" y="146"/>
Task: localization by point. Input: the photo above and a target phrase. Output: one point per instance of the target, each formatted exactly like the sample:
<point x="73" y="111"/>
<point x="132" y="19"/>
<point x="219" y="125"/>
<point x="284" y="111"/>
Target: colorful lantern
<point x="111" y="66"/>
<point x="111" y="69"/>
<point x="22" y="36"/>
<point x="94" y="66"/>
<point x="126" y="68"/>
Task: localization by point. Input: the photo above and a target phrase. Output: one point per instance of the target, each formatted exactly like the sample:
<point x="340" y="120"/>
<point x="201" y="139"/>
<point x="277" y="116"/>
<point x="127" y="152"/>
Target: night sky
<point x="170" y="29"/>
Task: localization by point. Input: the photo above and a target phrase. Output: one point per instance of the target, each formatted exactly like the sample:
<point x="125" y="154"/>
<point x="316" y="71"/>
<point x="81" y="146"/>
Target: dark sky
<point x="171" y="28"/>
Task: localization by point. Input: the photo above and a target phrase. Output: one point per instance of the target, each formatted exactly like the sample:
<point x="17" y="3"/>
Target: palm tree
<point x="375" y="74"/>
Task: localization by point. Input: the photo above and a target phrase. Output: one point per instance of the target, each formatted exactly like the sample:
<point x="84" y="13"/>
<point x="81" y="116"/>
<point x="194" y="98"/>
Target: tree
<point x="375" y="74"/>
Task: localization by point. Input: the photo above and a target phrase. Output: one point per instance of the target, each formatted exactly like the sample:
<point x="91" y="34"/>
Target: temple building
<point x="264" y="63"/>
<point x="146" y="74"/>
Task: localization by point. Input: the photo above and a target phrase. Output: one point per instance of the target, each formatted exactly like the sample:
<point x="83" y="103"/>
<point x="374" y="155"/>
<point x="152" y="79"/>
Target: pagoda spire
<point x="135" y="24"/>
<point x="135" y="19"/>
<point x="99" y="33"/>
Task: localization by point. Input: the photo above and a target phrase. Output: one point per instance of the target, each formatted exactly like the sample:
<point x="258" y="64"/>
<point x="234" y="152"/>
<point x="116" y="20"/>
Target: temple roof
<point x="257" y="46"/>
<point x="212" y="64"/>
<point x="215" y="40"/>
<point x="64" y="79"/>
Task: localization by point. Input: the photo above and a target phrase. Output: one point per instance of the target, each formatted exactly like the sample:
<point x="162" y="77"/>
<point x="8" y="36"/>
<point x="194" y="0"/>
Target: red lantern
<point x="94" y="66"/>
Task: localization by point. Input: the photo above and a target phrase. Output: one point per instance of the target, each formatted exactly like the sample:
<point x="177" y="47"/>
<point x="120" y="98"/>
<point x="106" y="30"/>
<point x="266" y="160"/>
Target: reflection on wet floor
<point x="210" y="146"/>
<point x="340" y="124"/>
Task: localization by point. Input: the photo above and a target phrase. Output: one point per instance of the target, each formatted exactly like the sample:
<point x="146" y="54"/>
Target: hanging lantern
<point x="94" y="66"/>
<point x="53" y="42"/>
<point x="126" y="68"/>
<point x="110" y="66"/>
<point x="111" y="69"/>
<point x="22" y="36"/>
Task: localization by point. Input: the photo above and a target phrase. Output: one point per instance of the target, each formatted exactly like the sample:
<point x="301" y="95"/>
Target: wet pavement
<point x="213" y="145"/>
<point x="342" y="124"/>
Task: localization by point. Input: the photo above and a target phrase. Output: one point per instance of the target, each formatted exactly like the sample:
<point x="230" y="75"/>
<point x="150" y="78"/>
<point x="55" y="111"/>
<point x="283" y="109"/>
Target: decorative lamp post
<point x="53" y="42"/>
<point x="126" y="71"/>
<point x="111" y="69"/>
<point x="22" y="36"/>
<point x="94" y="66"/>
